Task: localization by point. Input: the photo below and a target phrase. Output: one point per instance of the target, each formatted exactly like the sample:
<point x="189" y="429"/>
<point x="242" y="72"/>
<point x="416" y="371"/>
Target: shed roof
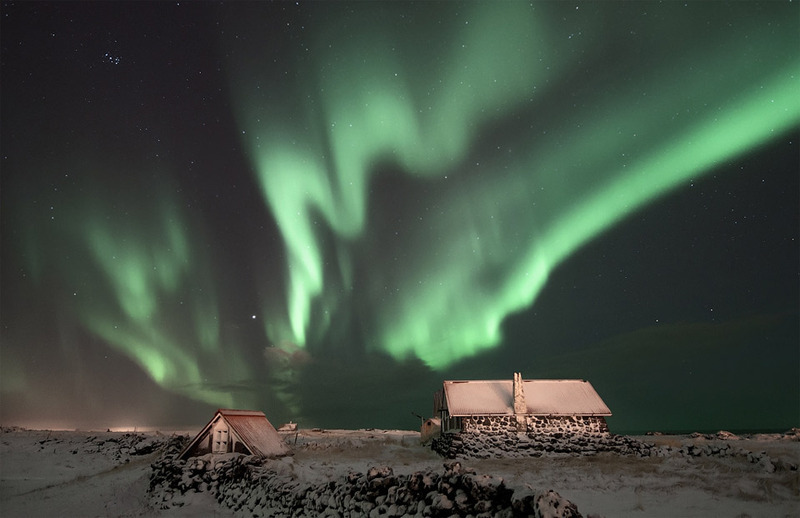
<point x="542" y="397"/>
<point x="256" y="432"/>
<point x="253" y="429"/>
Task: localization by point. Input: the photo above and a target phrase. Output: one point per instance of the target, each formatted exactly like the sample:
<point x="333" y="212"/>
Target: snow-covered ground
<point x="61" y="473"/>
<point x="44" y="473"/>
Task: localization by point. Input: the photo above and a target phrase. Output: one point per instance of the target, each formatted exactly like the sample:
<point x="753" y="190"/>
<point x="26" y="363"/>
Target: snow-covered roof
<point x="542" y="397"/>
<point x="256" y="432"/>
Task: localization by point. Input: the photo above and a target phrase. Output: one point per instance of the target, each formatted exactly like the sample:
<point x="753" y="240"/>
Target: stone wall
<point x="591" y="425"/>
<point x="497" y="436"/>
<point x="536" y="425"/>
<point x="513" y="444"/>
<point x="250" y="487"/>
<point x="489" y="424"/>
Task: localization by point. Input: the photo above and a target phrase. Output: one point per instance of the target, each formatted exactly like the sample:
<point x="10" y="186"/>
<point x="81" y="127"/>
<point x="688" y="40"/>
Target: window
<point x="450" y="424"/>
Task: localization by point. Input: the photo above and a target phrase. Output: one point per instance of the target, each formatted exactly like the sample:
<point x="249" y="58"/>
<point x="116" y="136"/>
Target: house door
<point x="221" y="439"/>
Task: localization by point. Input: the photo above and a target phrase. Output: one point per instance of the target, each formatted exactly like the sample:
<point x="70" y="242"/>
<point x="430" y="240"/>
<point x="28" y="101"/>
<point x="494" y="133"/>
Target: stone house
<point x="518" y="414"/>
<point x="237" y="431"/>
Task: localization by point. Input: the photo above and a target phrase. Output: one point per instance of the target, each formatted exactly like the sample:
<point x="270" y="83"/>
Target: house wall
<point x="536" y="425"/>
<point x="486" y="424"/>
<point x="221" y="437"/>
<point x="202" y="447"/>
<point x="485" y="436"/>
<point x="430" y="429"/>
<point x="578" y="425"/>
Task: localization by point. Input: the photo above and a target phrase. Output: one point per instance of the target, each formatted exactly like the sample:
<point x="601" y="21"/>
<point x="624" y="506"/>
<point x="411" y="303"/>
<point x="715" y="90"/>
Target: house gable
<point x="238" y="431"/>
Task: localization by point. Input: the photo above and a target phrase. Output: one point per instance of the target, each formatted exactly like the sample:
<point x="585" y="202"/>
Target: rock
<point x="553" y="505"/>
<point x="452" y="467"/>
<point x="376" y="472"/>
<point x="442" y="503"/>
<point x="766" y="464"/>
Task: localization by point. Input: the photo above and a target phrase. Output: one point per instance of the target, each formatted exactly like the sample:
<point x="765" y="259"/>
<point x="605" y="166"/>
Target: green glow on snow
<point x="503" y="222"/>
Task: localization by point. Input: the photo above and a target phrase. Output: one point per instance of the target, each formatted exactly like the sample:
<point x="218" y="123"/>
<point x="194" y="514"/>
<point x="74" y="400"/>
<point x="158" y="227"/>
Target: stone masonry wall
<point x="592" y="425"/>
<point x="249" y="487"/>
<point x="490" y="436"/>
<point x="489" y="424"/>
<point x="536" y="425"/>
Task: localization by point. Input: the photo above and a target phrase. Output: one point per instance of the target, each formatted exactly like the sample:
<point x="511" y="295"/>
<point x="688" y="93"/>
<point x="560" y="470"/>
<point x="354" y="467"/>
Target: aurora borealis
<point x="321" y="210"/>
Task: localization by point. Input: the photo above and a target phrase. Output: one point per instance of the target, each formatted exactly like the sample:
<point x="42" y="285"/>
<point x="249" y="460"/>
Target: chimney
<point x="520" y="407"/>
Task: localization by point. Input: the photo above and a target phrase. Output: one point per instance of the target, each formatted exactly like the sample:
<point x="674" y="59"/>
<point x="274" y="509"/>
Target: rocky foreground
<point x="247" y="485"/>
<point x="388" y="473"/>
<point x="253" y="487"/>
<point x="511" y="445"/>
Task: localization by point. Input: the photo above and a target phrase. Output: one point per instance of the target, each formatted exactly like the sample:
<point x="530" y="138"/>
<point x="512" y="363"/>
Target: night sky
<point x="322" y="210"/>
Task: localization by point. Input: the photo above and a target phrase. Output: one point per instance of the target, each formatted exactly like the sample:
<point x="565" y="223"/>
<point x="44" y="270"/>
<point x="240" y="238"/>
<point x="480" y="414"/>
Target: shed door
<point x="221" y="438"/>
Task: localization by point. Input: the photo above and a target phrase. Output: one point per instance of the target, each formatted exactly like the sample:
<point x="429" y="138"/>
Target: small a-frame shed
<point x="237" y="431"/>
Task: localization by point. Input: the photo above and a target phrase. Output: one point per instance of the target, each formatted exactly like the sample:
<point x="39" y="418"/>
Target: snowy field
<point x="63" y="473"/>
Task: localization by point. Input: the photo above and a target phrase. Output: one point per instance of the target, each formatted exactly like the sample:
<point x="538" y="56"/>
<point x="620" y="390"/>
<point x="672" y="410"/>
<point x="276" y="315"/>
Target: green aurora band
<point x="137" y="279"/>
<point x="428" y="167"/>
<point x="152" y="271"/>
<point x="494" y="215"/>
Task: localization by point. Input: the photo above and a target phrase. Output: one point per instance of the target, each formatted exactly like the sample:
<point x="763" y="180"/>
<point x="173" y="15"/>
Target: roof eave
<point x="197" y="437"/>
<point x="581" y="414"/>
<point x="538" y="414"/>
<point x="480" y="414"/>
